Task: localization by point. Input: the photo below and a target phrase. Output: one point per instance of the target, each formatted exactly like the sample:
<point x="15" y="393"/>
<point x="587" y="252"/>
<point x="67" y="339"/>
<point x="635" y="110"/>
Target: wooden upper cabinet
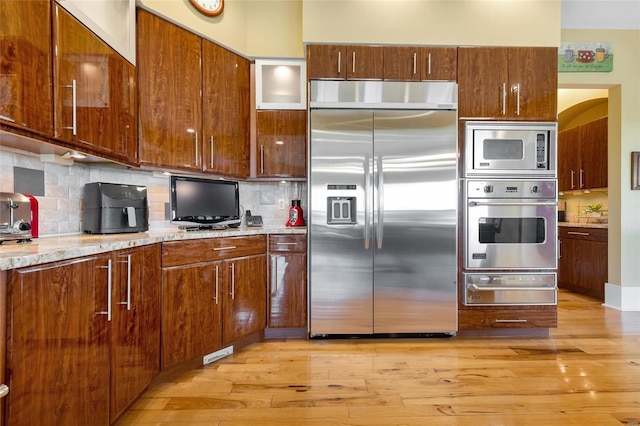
<point x="583" y="156"/>
<point x="335" y="62"/>
<point x="26" y="97"/>
<point x="439" y="63"/>
<point x="170" y="81"/>
<point x="402" y="62"/>
<point x="512" y="83"/>
<point x="281" y="137"/>
<point x="94" y="92"/>
<point x="225" y="99"/>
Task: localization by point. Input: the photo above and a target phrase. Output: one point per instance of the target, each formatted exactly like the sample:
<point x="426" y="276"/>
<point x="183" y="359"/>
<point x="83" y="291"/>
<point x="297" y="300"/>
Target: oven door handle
<point x="512" y="203"/>
<point x="475" y="287"/>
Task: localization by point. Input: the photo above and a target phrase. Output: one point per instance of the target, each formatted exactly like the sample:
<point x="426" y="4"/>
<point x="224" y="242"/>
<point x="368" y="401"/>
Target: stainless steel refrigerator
<point x="383" y="208"/>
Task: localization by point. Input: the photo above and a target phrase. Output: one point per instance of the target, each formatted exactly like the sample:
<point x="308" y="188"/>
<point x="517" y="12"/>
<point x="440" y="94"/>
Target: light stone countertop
<point x="53" y="248"/>
<point x="584" y="225"/>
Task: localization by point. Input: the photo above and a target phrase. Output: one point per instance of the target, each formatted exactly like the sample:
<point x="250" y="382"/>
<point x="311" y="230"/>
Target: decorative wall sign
<point x="585" y="56"/>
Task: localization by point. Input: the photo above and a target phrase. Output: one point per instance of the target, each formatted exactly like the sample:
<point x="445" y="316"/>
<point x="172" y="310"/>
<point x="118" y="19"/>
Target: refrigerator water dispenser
<point x="341" y="210"/>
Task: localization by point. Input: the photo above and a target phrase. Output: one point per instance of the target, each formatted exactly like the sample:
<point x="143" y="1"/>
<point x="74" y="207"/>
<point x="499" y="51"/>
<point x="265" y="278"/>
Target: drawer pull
<point x="287" y="244"/>
<point x="224" y="248"/>
<point x="4" y="391"/>
<point x="586" y="234"/>
<point x="476" y="287"/>
<point x="510" y="320"/>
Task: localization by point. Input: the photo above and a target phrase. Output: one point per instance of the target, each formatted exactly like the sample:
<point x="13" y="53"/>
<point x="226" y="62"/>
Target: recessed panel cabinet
<point x="510" y="83"/>
<point x="26" y="96"/>
<point x="194" y="101"/>
<point x="94" y="92"/>
<point x="84" y="337"/>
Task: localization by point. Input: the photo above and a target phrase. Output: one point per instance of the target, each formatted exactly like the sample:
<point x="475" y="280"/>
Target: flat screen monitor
<point x="204" y="203"/>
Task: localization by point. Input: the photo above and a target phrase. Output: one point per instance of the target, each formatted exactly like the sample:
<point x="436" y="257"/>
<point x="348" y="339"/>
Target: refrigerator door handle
<point x="367" y="189"/>
<point x="380" y="188"/>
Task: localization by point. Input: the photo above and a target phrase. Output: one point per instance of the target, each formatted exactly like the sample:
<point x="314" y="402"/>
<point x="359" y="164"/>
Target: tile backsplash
<point x="61" y="206"/>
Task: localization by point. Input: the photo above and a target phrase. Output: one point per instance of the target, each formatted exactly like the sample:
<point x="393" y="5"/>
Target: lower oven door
<point x="511" y="234"/>
<point x="510" y="289"/>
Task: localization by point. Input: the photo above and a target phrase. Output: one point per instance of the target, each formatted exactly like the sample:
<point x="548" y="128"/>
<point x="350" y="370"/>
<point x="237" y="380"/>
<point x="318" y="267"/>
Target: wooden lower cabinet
<point x="583" y="264"/>
<point x="213" y="294"/>
<point x="287" y="281"/>
<point x="70" y="340"/>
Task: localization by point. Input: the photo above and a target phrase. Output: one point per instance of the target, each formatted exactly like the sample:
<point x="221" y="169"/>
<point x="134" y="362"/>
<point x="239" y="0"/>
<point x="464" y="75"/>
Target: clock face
<point x="209" y="7"/>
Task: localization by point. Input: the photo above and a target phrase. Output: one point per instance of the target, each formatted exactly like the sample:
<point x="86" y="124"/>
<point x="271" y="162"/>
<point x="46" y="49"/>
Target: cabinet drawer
<point x="507" y="318"/>
<point x="210" y="249"/>
<point x="579" y="233"/>
<point x="288" y="243"/>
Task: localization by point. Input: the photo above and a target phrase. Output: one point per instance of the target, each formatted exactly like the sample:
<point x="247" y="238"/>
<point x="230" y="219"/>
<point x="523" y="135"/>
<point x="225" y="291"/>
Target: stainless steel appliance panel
<point x="341" y="261"/>
<point x="415" y="221"/>
<point x="511" y="224"/>
<point x="497" y="289"/>
<point x="510" y="149"/>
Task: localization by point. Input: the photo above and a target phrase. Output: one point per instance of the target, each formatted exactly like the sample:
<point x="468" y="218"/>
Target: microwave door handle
<point x="513" y="203"/>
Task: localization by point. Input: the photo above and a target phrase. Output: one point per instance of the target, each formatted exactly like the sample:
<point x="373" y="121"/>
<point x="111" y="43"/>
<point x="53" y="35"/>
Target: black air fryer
<point x="111" y="208"/>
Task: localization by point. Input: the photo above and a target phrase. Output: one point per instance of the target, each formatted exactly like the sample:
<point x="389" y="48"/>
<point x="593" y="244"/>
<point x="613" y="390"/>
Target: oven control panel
<point x="511" y="188"/>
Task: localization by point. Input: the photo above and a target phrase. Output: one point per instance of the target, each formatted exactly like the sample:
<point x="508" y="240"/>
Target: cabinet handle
<point x="517" y="89"/>
<point x="353" y="65"/>
<point x="224" y="248"/>
<point x="584" y="234"/>
<point x="211" y="149"/>
<point x="510" y="320"/>
<point x="339" y="61"/>
<point x="128" y="302"/>
<point x="274" y="275"/>
<point x="74" y="107"/>
<point x="415" y="58"/>
<point x="287" y="244"/>
<point x="109" y="283"/>
<point x="559" y="249"/>
<point x="581" y="180"/>
<point x="197" y="150"/>
<point x="573" y="173"/>
<point x="5" y="118"/>
<point x="504" y="98"/>
<point x="4" y="390"/>
<point x="261" y="159"/>
<point x="233" y="281"/>
<point x="429" y="65"/>
<point x="217" y="282"/>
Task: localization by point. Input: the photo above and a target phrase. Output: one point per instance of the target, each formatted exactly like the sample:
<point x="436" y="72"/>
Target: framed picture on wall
<point x="635" y="170"/>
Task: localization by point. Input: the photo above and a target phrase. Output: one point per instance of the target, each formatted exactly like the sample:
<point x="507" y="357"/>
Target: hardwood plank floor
<point x="586" y="372"/>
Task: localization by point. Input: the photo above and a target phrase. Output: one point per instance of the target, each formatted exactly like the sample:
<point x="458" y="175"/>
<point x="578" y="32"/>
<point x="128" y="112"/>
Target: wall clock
<point x="208" y="7"/>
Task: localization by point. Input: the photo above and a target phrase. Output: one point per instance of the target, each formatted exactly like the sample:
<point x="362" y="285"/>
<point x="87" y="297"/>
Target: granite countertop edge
<point x="54" y="248"/>
<point x="584" y="225"/>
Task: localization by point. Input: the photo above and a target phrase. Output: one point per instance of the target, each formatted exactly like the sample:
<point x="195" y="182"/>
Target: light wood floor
<point x="587" y="372"/>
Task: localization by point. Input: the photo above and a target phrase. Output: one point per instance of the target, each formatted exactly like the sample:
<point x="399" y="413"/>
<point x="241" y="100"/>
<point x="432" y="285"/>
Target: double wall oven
<point x="510" y="214"/>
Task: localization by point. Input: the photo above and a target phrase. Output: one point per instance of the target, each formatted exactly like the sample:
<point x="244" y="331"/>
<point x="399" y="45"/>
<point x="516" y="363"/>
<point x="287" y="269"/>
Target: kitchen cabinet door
<point x="439" y="63"/>
<point x="94" y="92"/>
<point x="365" y="63"/>
<point x="26" y="97"/>
<point x="533" y="83"/>
<point x="583" y="264"/>
<point x="287" y="281"/>
<point x="281" y="137"/>
<point x="594" y="154"/>
<point x="402" y="63"/>
<point x="518" y="83"/>
<point x="135" y="348"/>
<point x="191" y="311"/>
<point x="245" y="298"/>
<point x="225" y="111"/>
<point x="326" y="61"/>
<point x="170" y="103"/>
<point x="568" y="159"/>
<point x="58" y="362"/>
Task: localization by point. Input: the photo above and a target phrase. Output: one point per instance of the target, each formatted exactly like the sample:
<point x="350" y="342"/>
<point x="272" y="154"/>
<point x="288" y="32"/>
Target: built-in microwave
<point x="510" y="149"/>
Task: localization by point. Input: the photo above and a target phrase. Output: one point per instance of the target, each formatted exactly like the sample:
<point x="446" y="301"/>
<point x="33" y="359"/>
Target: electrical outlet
<point x="281" y="203"/>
